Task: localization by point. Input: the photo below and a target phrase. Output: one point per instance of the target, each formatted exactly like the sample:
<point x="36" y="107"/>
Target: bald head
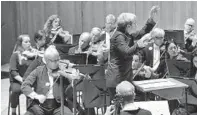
<point x="51" y="52"/>
<point x="51" y="57"/>
<point x="190" y="21"/>
<point x="125" y="88"/>
<point x="95" y="33"/>
<point x="189" y="25"/>
<point x="84" y="39"/>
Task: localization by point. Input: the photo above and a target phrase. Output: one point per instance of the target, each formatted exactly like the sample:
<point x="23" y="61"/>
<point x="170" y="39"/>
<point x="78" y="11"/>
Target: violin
<point x="59" y="31"/>
<point x="67" y="69"/>
<point x="32" y="52"/>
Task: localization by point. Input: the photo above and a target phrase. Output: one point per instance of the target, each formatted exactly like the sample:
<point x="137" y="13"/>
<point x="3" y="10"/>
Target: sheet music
<point x="158" y="84"/>
<point x="155" y="107"/>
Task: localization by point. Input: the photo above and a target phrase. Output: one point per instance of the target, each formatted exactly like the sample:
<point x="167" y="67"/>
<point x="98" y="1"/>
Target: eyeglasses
<point x="159" y="37"/>
<point x="56" y="60"/>
<point x="189" y="25"/>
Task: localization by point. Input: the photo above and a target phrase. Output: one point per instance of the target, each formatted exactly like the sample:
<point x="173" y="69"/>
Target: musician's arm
<point x="26" y="86"/>
<point x="14" y="62"/>
<point x="146" y="29"/>
<point x="122" y="47"/>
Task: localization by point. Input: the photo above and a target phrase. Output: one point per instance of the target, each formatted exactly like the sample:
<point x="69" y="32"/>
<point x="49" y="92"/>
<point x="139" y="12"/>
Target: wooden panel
<point x="93" y="15"/>
<point x="8" y="33"/>
<point x="166" y="15"/>
<point x="143" y="11"/>
<point x="70" y="14"/>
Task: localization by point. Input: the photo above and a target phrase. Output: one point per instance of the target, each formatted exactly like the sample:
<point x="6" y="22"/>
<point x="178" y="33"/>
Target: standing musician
<point x="46" y="83"/>
<point x="189" y="35"/>
<point x="55" y="32"/>
<point x="110" y="24"/>
<point x="122" y="48"/>
<point x="18" y="65"/>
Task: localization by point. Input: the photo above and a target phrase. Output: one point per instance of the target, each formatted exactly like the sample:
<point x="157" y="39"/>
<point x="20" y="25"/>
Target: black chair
<point x="9" y="103"/>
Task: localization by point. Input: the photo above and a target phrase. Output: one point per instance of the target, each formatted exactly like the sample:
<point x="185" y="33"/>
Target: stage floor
<point x="5" y="98"/>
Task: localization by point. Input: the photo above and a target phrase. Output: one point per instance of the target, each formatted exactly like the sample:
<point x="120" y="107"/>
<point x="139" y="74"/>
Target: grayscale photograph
<point x="98" y="58"/>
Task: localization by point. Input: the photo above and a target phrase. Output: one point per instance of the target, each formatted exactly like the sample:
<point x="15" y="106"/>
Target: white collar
<point x="130" y="106"/>
<point x="155" y="46"/>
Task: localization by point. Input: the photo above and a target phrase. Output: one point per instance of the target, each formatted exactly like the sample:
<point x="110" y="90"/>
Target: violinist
<point x="18" y="66"/>
<point x="83" y="46"/>
<point x="189" y="35"/>
<point x="98" y="44"/>
<point x="40" y="40"/>
<point x="141" y="71"/>
<point x="153" y="53"/>
<point x="174" y="52"/>
<point x="55" y="32"/>
<point x="45" y="98"/>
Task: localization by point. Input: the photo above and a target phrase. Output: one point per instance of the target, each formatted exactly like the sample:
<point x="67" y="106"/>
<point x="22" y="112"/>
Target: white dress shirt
<point x="50" y="92"/>
<point x="156" y="57"/>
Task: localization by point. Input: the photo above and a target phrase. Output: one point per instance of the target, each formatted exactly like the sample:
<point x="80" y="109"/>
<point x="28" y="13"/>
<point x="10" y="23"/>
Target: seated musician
<point x="174" y="51"/>
<point x="126" y="93"/>
<point x="18" y="66"/>
<point x="140" y="71"/>
<point x="55" y="32"/>
<point x="40" y="40"/>
<point x="189" y="35"/>
<point x="83" y="46"/>
<point x="46" y="83"/>
<point x="152" y="53"/>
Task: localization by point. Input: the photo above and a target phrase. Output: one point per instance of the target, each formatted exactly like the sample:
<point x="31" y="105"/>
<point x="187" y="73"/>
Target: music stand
<point x="75" y="58"/>
<point x="177" y="36"/>
<point x="63" y="48"/>
<point x="178" y="69"/>
<point x="76" y="38"/>
<point x="94" y="90"/>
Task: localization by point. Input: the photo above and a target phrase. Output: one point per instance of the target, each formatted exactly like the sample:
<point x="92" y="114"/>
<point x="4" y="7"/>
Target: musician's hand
<point x="110" y="110"/>
<point x="154" y="13"/>
<point x="40" y="98"/>
<point x="29" y="54"/>
<point x="140" y="43"/>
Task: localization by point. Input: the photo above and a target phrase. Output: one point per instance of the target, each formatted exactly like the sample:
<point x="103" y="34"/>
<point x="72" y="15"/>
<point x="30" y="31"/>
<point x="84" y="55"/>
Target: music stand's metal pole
<point x="74" y="97"/>
<point x="62" y="95"/>
<point x="186" y="101"/>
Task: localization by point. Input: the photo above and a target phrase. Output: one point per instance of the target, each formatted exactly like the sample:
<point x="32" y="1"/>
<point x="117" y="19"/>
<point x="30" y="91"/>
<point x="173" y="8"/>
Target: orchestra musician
<point x="189" y="35"/>
<point x="18" y="66"/>
<point x="55" y="32"/>
<point x="121" y="48"/>
<point x="174" y="51"/>
<point x="110" y="24"/>
<point x="40" y="40"/>
<point x="45" y="97"/>
<point x="125" y="92"/>
<point x="140" y="70"/>
<point x="83" y="46"/>
<point x="152" y="53"/>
